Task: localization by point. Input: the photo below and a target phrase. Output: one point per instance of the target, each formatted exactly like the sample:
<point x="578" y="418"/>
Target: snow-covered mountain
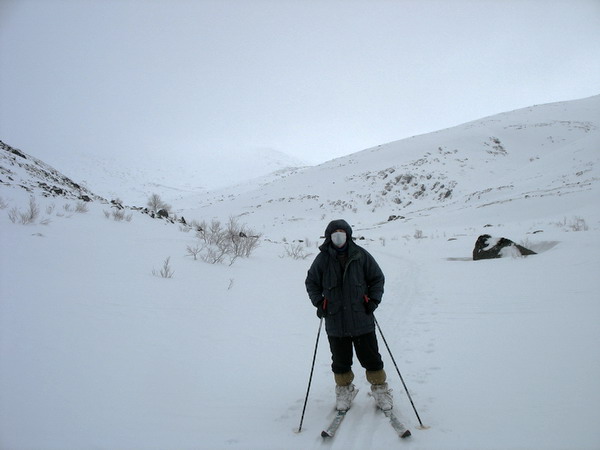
<point x="173" y="174"/>
<point x="19" y="170"/>
<point x="538" y="153"/>
<point x="98" y="350"/>
<point x="541" y="151"/>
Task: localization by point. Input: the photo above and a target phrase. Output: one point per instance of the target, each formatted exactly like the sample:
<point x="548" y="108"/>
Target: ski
<point x="402" y="431"/>
<point x="333" y="426"/>
<point x="340" y="414"/>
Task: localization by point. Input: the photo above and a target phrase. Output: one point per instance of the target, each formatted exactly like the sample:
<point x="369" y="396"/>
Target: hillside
<point x="176" y="172"/>
<point x="21" y="171"/>
<point x="534" y="153"/>
<point x="97" y="350"/>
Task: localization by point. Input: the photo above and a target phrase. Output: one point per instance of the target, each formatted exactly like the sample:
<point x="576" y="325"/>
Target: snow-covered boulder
<point x="488" y="247"/>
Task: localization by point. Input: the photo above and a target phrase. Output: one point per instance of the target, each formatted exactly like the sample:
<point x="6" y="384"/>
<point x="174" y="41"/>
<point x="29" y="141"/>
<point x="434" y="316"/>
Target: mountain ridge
<point x="523" y="154"/>
<point x="540" y="151"/>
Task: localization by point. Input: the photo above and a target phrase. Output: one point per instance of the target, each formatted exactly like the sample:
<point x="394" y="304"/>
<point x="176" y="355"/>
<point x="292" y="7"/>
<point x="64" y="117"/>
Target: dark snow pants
<point x="367" y="352"/>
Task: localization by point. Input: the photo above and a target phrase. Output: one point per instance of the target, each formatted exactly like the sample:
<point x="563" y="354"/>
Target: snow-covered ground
<point x="97" y="352"/>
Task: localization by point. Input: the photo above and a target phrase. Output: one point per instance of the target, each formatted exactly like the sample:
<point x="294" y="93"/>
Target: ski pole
<point x="312" y="368"/>
<point x="399" y="374"/>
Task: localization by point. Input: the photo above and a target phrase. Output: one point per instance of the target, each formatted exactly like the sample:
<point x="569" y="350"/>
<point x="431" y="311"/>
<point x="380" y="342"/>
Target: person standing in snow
<point x="345" y="284"/>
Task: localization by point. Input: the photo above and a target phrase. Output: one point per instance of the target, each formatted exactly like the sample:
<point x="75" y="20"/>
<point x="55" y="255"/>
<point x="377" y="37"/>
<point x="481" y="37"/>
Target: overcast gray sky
<point x="313" y="79"/>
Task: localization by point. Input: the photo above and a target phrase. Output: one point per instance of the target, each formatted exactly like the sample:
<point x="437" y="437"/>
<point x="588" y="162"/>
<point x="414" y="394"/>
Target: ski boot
<point x="383" y="396"/>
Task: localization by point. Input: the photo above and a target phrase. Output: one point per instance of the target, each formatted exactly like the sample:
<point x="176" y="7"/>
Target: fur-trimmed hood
<point x="338" y="224"/>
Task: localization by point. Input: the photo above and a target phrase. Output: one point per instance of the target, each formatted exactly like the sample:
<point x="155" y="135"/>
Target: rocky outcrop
<point x="22" y="171"/>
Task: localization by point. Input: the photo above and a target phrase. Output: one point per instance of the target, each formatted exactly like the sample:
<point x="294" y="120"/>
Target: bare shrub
<point x="118" y="215"/>
<point x="418" y="234"/>
<point x="32" y="213"/>
<point x="578" y="224"/>
<point x="214" y="255"/>
<point x="194" y="251"/>
<point x="28" y="216"/>
<point x="243" y="240"/>
<point x="81" y="207"/>
<point x="13" y="214"/>
<point x="3" y="204"/>
<point x="165" y="271"/>
<point x="216" y="233"/>
<point x="156" y="203"/>
<point x="574" y="224"/>
<point x="219" y="242"/>
<point x="295" y="251"/>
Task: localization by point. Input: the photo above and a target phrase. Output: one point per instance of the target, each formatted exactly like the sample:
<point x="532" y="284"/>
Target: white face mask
<point x="338" y="238"/>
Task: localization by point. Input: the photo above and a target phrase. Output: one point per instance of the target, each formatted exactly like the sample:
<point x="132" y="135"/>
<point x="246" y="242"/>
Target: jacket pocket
<point x="358" y="296"/>
<point x="359" y="308"/>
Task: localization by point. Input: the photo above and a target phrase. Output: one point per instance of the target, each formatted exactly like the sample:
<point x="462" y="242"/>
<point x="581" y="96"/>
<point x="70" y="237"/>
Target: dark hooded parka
<point x="344" y="288"/>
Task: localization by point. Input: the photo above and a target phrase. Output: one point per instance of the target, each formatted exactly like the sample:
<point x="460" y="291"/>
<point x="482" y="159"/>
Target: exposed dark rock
<point x="12" y="150"/>
<point x="34" y="175"/>
<point x="487" y="247"/>
<point x="394" y="217"/>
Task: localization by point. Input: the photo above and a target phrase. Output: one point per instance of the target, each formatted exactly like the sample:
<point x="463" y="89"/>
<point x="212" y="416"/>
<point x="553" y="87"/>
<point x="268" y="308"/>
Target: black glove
<point x="370" y="305"/>
<point x="322" y="308"/>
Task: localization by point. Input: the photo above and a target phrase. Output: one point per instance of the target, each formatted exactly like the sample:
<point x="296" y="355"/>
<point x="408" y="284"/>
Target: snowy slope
<point x="97" y="352"/>
<point x="20" y="171"/>
<point x="173" y="173"/>
<point x="542" y="152"/>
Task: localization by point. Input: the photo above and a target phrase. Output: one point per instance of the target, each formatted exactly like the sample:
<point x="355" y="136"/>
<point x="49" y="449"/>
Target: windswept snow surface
<point x="96" y="352"/>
